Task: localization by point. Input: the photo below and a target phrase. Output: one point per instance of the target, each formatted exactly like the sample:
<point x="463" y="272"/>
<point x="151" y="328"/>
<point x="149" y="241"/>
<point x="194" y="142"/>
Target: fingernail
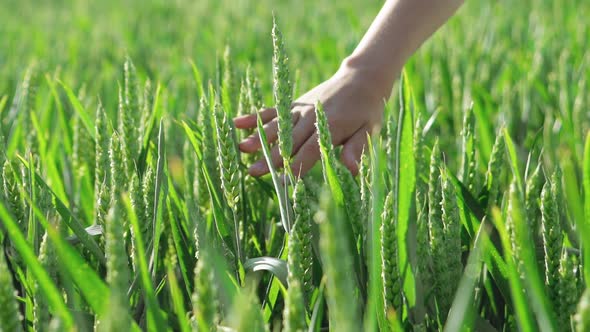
<point x="257" y="169"/>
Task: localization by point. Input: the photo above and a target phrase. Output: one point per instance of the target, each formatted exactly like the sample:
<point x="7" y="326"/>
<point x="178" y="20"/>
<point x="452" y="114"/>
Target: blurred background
<point x="521" y="56"/>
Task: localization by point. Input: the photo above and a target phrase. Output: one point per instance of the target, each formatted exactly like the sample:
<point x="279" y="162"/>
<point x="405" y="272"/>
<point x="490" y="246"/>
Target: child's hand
<point x="353" y="101"/>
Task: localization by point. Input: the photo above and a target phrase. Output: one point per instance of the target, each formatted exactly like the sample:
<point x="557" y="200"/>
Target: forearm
<point x="396" y="33"/>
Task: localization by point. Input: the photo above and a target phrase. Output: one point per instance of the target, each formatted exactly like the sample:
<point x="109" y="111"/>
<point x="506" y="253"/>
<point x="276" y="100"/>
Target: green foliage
<point x="10" y="317"/>
<point x="71" y="183"/>
<point x="337" y="260"/>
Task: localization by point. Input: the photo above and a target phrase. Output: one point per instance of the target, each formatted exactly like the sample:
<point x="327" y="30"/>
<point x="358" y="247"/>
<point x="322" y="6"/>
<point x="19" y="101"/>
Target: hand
<point x="353" y="101"/>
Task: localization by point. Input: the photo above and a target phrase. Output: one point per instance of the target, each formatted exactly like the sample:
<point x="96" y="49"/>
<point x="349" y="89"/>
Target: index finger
<point x="249" y="121"/>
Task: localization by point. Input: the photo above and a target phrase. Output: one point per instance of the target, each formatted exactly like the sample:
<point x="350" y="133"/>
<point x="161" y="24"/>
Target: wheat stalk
<point x="282" y="91"/>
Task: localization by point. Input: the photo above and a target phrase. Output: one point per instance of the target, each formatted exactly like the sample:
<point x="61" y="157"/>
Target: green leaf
<point x="522" y="311"/>
<point x="375" y="313"/>
<point x="513" y="157"/>
<point x="462" y="313"/>
<point x="84" y="116"/>
<point x="155" y="319"/>
<point x="404" y="184"/>
<point x="281" y="189"/>
<point x="277" y="267"/>
<point x="159" y="198"/>
<point x="47" y="287"/>
<point x="584" y="226"/>
<point x="197" y="78"/>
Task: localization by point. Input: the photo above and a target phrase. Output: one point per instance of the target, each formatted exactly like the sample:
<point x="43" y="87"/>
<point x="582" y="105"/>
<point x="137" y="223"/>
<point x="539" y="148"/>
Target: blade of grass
<point x="513" y="157"/>
<point x="584" y="226"/>
<point x="375" y="313"/>
<point x="79" y="108"/>
<point x="279" y="187"/>
<point x="47" y="287"/>
<point x="62" y="117"/>
<point x="521" y="309"/>
<point x="180" y="242"/>
<point x="153" y="309"/>
<point x="404" y="186"/>
<point x="158" y="200"/>
<point x="462" y="313"/>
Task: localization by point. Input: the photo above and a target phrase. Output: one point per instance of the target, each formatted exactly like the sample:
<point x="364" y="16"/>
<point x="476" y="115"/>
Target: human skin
<point x="354" y="97"/>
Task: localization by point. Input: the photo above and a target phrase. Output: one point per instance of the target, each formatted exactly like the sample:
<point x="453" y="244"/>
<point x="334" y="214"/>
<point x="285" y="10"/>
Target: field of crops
<point x="125" y="203"/>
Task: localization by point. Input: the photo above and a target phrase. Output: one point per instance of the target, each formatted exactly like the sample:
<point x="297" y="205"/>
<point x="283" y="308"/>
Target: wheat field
<point x="125" y="203"/>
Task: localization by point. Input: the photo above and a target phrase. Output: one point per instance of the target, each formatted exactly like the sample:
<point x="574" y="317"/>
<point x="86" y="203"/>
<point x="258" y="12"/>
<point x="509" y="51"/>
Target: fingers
<point x="307" y="156"/>
<point x="252" y="143"/>
<point x="260" y="167"/>
<point x="249" y="121"/>
<point x="353" y="149"/>
<point x="304" y="128"/>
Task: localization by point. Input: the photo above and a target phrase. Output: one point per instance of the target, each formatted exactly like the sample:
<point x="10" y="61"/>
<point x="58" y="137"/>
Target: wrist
<point x="376" y="77"/>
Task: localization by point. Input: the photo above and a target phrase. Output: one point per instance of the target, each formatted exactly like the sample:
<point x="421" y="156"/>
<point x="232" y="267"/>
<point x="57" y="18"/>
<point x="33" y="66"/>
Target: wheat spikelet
<point x="567" y="289"/>
<point x="227" y="155"/>
<point x="253" y="88"/>
<point x="337" y="260"/>
<point x="294" y="312"/>
<point x="324" y="138"/>
<point x="137" y="203"/>
<point x="282" y="90"/>
<point x="302" y="231"/>
<point x="422" y="175"/>
<point x="129" y="114"/>
<point x="40" y="306"/>
<point x="514" y="207"/>
<point x="468" y="162"/>
<point x="10" y="317"/>
<point x="552" y="239"/>
<point x="148" y="190"/>
<point x="494" y="171"/>
<point x="118" y="162"/>
<point x="229" y="83"/>
<point x="28" y="94"/>
<point x="364" y="181"/>
<point x="244" y="106"/>
<point x="353" y="207"/>
<point x="83" y="150"/>
<point x="451" y="267"/>
<point x="228" y="158"/>
<point x="392" y="284"/>
<point x="125" y="132"/>
<point x="435" y="224"/>
<point x="102" y="176"/>
<point x="12" y="194"/>
<point x="208" y="144"/>
<point x="534" y="185"/>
